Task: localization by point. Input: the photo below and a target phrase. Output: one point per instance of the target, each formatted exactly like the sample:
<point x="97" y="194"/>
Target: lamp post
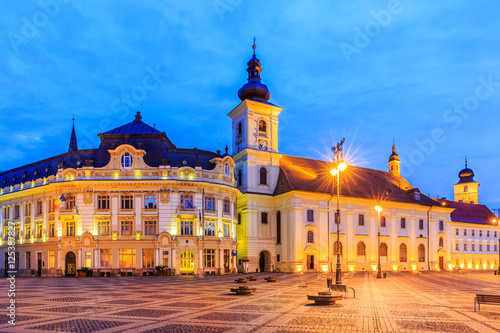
<point x="379" y="270"/>
<point x="339" y="165"/>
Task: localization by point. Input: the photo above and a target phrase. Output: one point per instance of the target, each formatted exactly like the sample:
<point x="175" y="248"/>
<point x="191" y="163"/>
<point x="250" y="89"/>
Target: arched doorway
<point x="187" y="262"/>
<point x="70" y="264"/>
<point x="264" y="262"/>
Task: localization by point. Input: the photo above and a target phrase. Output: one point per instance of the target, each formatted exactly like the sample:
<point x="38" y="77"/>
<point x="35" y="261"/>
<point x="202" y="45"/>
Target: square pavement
<point x="402" y="302"/>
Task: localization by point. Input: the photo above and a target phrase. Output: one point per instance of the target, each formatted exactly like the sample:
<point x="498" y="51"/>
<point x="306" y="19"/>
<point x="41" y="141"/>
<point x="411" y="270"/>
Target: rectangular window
<point x="52" y="259"/>
<point x="465" y="232"/>
<point x="127" y="228"/>
<point x="104" y="228"/>
<point x="465" y="246"/>
<point x="103" y="202"/>
<point x="88" y="259"/>
<point x="106" y="258"/>
<point x="263" y="217"/>
<point x="421" y="224"/>
<point x="127" y="258"/>
<point x="148" y="258"/>
<point x="6" y="212"/>
<point x="150" y="202"/>
<point x="17" y="226"/>
<point x="39" y="207"/>
<point x="227" y="230"/>
<point x="149" y="227"/>
<point x="70" y="202"/>
<point x="480" y="233"/>
<point x="52" y="229"/>
<point x="487" y="247"/>
<point x="165" y="259"/>
<point x="70" y="228"/>
<point x="27" y="209"/>
<point x="209" y="258"/>
<point x="210" y="204"/>
<point x="457" y="248"/>
<point x="495" y="248"/>
<point x="16" y="211"/>
<point x="480" y="247"/>
<point x="361" y="219"/>
<point x="403" y="223"/>
<point x="27" y="231"/>
<point x="28" y="260"/>
<point x="473" y="232"/>
<point x="39" y="229"/>
<point x="278" y="259"/>
<point x="473" y="247"/>
<point x="441" y="225"/>
<point x="239" y="218"/>
<point x="51" y="205"/>
<point x="227" y="207"/>
<point x="127" y="202"/>
<point x="488" y="233"/>
<point x="186" y="227"/>
<point x="209" y="228"/>
<point x="187" y="202"/>
<point x="456" y="232"/>
<point x="382" y="221"/>
<point x="310" y="215"/>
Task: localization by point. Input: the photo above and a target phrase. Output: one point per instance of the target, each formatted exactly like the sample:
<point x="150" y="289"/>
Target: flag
<point x="199" y="216"/>
<point x="58" y="202"/>
<point x="182" y="205"/>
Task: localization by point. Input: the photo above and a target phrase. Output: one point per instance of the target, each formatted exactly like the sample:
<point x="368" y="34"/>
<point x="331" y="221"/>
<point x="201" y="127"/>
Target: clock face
<point x="262" y="145"/>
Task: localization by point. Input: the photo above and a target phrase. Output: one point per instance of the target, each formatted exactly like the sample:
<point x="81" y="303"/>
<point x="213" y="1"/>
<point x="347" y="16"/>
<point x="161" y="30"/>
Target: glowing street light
<point x="379" y="270"/>
<point x="340" y="165"/>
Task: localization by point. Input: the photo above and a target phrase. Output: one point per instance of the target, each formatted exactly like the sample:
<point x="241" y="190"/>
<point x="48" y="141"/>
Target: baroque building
<point x="286" y="212"/>
<point x="134" y="203"/>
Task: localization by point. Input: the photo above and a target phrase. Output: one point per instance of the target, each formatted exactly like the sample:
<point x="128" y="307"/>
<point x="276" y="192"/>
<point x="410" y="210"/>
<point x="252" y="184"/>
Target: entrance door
<point x="39" y="264"/>
<point x="310" y="262"/>
<point x="187" y="262"/>
<point x="226" y="261"/>
<point x="441" y="262"/>
<point x="70" y="264"/>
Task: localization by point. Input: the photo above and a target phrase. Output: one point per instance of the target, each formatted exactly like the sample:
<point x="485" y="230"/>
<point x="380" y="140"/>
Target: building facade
<point x="286" y="211"/>
<point x="134" y="203"/>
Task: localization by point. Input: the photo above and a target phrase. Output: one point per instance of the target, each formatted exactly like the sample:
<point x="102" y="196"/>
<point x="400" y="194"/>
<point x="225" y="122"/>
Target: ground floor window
<point x="402" y="252"/>
<point x="106" y="258"/>
<point x="187" y="261"/>
<point x="28" y="260"/>
<point x="88" y="259"/>
<point x="421" y="253"/>
<point x="148" y="258"/>
<point x="127" y="258"/>
<point x="209" y="257"/>
<point x="165" y="259"/>
<point x="52" y="259"/>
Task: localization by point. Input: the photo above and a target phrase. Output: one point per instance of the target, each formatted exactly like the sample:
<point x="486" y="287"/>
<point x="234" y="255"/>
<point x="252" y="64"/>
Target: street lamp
<point x="339" y="166"/>
<point x="379" y="270"/>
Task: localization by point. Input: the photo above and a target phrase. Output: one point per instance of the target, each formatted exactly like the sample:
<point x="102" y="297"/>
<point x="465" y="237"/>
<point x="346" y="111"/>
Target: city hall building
<point x="138" y="201"/>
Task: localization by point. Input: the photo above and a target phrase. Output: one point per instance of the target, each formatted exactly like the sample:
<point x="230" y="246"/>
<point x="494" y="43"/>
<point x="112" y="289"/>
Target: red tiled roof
<point x="314" y="176"/>
<point x="469" y="213"/>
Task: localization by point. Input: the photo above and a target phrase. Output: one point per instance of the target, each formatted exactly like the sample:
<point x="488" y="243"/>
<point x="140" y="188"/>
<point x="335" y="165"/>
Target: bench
<point x="271" y="279"/>
<point x="485" y="299"/>
<point x="244" y="290"/>
<point x="324" y="299"/>
<point x="341" y="288"/>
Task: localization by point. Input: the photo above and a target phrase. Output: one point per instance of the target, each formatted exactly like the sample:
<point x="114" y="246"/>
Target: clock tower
<point x="466" y="190"/>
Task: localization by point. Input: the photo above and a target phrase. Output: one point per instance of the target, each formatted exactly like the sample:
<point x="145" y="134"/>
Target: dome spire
<point x="393" y="156"/>
<point x="72" y="141"/>
<point x="466" y="161"/>
<point x="254" y="89"/>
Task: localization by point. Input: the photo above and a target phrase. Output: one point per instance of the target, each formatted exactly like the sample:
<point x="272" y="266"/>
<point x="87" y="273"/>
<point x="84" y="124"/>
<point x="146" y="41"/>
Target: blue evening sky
<point x="425" y="73"/>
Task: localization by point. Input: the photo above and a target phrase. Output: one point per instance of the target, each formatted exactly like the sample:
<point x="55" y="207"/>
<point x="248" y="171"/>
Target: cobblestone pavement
<point x="403" y="302"/>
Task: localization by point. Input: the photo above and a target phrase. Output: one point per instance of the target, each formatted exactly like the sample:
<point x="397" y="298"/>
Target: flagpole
<point x="203" y="224"/>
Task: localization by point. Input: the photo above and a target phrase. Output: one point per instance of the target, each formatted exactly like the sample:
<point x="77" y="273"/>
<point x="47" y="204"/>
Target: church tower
<point x="466" y="190"/>
<point x="394" y="162"/>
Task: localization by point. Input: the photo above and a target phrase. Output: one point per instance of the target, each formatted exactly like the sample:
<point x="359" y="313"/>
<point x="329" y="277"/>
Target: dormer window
<point x="126" y="161"/>
<point x="262" y="126"/>
<point x="417" y="195"/>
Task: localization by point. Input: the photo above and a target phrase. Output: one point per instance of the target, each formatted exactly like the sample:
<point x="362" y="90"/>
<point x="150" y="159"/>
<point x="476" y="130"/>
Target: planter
<point x="82" y="274"/>
<point x="161" y="272"/>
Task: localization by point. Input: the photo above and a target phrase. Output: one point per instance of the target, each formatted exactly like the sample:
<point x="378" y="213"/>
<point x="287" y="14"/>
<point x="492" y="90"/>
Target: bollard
<point x="328" y="282"/>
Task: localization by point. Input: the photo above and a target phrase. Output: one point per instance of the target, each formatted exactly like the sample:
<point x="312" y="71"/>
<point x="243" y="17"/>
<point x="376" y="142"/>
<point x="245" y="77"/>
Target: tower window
<point x="421" y="224"/>
<point x="310" y="237"/>
<point x="466" y="189"/>
<point x="263" y="176"/>
<point x="262" y="126"/>
<point x="240" y="129"/>
<point x="240" y="176"/>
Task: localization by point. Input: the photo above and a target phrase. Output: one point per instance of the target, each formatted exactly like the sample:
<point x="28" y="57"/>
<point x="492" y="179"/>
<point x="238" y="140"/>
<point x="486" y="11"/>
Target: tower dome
<point x="466" y="175"/>
<point x="254" y="89"/>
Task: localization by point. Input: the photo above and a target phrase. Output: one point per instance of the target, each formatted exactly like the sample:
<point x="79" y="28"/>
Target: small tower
<point x="394" y="161"/>
<point x="466" y="190"/>
<point x="72" y="142"/>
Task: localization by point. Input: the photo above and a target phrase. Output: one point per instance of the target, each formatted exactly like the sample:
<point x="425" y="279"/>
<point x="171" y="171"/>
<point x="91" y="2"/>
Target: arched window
<point x="397" y="168"/>
<point x="226" y="169"/>
<point x="240" y="128"/>
<point x="335" y="248"/>
<point x="240" y="176"/>
<point x="263" y="176"/>
<point x="466" y="188"/>
<point x="421" y="253"/>
<point x="383" y="250"/>
<point x="392" y="167"/>
<point x="126" y="161"/>
<point x="278" y="227"/>
<point x="361" y="249"/>
<point x="472" y="202"/>
<point x="262" y="126"/>
<point x="310" y="237"/>
<point x="402" y="252"/>
<point x="441" y="243"/>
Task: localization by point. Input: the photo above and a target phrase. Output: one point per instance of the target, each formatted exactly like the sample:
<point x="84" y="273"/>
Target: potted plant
<point x="160" y="270"/>
<point x="83" y="272"/>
